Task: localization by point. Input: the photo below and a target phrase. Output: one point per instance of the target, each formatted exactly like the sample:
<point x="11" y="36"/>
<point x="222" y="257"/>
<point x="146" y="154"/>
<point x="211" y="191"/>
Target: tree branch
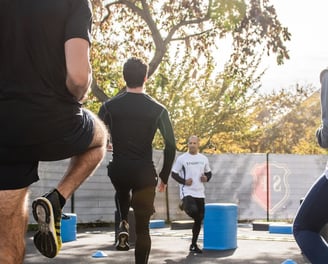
<point x="186" y="23"/>
<point x="98" y="92"/>
<point x="192" y="35"/>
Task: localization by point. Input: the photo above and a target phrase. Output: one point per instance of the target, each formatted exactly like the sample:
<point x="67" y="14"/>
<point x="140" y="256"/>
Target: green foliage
<point x="205" y="93"/>
<point x="228" y="14"/>
<point x="286" y="121"/>
<point x="203" y="102"/>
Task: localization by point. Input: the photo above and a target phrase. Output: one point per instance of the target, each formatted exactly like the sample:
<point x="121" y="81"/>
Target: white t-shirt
<point x="192" y="166"/>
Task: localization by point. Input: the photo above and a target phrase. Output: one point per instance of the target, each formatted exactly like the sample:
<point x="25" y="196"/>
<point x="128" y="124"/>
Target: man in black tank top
<point x="133" y="118"/>
<point x="45" y="74"/>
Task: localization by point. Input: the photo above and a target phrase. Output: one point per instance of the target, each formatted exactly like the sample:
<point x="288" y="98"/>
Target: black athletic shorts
<point x="138" y="176"/>
<point x="19" y="166"/>
<point x="132" y="174"/>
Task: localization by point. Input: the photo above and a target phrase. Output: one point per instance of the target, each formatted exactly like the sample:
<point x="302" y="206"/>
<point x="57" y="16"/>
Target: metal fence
<point x="264" y="186"/>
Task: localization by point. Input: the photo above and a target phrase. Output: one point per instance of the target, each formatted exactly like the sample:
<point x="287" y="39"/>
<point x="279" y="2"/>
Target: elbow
<point x="78" y="84"/>
<point x="175" y="176"/>
<point x="78" y="81"/>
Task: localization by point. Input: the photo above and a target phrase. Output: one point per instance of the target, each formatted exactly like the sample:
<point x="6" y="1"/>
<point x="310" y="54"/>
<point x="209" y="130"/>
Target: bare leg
<point x="83" y="165"/>
<point x="14" y="218"/>
<point x="47" y="211"/>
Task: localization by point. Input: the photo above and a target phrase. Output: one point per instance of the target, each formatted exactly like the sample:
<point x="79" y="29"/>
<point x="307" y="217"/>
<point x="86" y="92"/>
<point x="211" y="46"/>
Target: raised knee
<point x="192" y="212"/>
<point x="100" y="133"/>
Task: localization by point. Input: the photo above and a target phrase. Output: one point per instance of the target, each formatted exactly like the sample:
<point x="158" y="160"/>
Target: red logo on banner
<point x="270" y="184"/>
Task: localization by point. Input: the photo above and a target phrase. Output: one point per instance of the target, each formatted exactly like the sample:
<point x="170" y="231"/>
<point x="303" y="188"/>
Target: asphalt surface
<point x="171" y="247"/>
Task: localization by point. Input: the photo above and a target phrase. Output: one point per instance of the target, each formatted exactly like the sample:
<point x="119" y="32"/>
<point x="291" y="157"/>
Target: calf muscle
<point x="13" y="223"/>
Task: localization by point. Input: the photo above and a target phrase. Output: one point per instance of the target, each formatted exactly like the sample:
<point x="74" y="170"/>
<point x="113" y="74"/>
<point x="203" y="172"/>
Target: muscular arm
<point x="79" y="73"/>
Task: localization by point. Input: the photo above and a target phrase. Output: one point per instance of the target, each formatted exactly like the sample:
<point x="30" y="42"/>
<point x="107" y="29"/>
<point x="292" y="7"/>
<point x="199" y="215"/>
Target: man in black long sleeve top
<point x="132" y="118"/>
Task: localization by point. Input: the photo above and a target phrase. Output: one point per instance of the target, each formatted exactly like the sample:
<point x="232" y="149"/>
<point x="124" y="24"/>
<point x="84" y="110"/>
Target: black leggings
<point x="195" y="208"/>
<point x="138" y="177"/>
<point x="142" y="202"/>
<point x="311" y="217"/>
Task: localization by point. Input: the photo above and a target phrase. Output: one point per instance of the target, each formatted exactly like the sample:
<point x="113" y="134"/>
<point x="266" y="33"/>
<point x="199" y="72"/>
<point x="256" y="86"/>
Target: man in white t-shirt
<point x="191" y="170"/>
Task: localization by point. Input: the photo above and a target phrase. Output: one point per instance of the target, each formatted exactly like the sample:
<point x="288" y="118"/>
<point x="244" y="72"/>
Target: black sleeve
<point x="178" y="178"/>
<point x="78" y="25"/>
<point x="103" y="114"/>
<point x="208" y="175"/>
<point x="166" y="130"/>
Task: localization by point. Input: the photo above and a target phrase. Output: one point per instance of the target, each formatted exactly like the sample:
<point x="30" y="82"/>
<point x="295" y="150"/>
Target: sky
<point x="307" y="21"/>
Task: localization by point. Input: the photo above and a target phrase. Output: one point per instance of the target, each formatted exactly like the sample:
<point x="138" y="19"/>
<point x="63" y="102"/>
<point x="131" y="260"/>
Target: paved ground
<point x="171" y="247"/>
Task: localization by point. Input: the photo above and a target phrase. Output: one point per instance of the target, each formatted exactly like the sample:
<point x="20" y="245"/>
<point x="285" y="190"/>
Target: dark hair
<point x="135" y="70"/>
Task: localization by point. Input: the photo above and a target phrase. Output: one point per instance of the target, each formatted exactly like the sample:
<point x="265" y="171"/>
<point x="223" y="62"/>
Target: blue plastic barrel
<point x="68" y="227"/>
<point x="220" y="226"/>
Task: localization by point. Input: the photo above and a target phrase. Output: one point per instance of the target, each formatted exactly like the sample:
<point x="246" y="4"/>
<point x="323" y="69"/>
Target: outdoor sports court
<point x="172" y="247"/>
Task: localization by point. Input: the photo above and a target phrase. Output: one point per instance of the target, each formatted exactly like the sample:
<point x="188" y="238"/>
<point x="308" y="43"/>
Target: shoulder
<point x="114" y="99"/>
<point x="323" y="75"/>
<point x="154" y="101"/>
<point x="202" y="156"/>
<point x="182" y="156"/>
<point x="185" y="157"/>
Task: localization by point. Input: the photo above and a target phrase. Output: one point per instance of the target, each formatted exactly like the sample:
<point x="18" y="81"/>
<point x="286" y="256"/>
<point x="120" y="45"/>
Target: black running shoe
<point x="122" y="243"/>
<point x="47" y="212"/>
<point x="195" y="249"/>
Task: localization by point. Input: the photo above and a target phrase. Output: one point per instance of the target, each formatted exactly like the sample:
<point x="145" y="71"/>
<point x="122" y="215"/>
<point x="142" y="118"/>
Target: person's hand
<point x="203" y="178"/>
<point x="161" y="187"/>
<point x="188" y="182"/>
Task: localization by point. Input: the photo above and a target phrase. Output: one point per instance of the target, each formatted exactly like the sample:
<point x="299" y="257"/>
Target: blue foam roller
<point x="281" y="228"/>
<point x="156" y="224"/>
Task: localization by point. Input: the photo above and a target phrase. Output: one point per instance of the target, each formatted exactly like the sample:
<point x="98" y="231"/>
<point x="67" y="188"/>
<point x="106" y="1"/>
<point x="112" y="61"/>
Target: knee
<point x="99" y="141"/>
<point x="100" y="132"/>
<point x="192" y="211"/>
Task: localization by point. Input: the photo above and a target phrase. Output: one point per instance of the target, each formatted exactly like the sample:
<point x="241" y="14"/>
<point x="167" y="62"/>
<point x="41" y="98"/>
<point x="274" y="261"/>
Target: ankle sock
<point x="62" y="200"/>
